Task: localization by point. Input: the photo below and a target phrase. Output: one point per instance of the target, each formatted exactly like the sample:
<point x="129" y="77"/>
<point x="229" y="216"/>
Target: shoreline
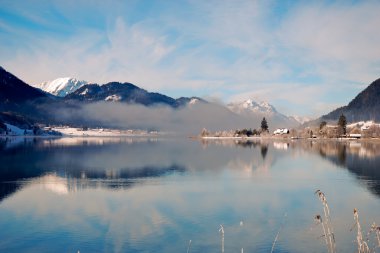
<point x="287" y="139"/>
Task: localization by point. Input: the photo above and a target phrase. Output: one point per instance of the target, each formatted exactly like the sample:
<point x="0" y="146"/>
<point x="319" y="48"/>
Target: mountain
<point x="61" y="86"/>
<point x="14" y="92"/>
<point x="365" y="106"/>
<point x="300" y="119"/>
<point x="182" y="101"/>
<point x="127" y="93"/>
<point x="257" y="110"/>
<point x="26" y="105"/>
<point x="250" y="106"/>
<point x="19" y="102"/>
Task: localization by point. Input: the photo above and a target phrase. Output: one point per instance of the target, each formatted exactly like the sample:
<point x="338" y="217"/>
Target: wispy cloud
<point x="295" y="54"/>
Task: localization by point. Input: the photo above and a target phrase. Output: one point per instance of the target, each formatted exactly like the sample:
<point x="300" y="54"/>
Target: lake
<point x="157" y="194"/>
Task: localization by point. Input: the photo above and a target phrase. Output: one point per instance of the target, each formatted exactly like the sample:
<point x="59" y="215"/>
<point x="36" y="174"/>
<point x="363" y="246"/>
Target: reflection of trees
<point x="263" y="144"/>
<point x="117" y="161"/>
<point x="360" y="158"/>
<point x="264" y="151"/>
<point x="342" y="154"/>
<point x="23" y="159"/>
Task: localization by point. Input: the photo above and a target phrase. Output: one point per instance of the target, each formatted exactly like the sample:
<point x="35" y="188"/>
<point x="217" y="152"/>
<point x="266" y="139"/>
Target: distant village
<point x="357" y="130"/>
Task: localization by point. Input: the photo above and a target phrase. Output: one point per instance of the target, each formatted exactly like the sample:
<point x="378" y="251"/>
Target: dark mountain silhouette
<point x="24" y="105"/>
<point x="14" y="92"/>
<point x="365" y="106"/>
<point x="21" y="103"/>
<point x="124" y="92"/>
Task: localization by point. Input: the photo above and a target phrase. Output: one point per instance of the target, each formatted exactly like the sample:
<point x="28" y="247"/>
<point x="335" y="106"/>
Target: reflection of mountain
<point x="27" y="159"/>
<point x="361" y="159"/>
<point x="119" y="162"/>
<point x="76" y="180"/>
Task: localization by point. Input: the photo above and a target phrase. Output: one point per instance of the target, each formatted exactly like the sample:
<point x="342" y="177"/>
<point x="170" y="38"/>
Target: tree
<point x="3" y="127"/>
<point x="204" y="132"/>
<point x="264" y="125"/>
<point x="342" y="125"/>
<point x="322" y="125"/>
<point x="36" y="130"/>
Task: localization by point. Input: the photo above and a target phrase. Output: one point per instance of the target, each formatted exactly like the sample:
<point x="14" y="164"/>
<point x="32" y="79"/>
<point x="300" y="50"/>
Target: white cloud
<point x="227" y="48"/>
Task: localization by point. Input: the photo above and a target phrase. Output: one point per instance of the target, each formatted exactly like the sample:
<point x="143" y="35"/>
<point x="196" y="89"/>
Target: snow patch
<point x="101" y="132"/>
<point x="114" y="98"/>
<point x="363" y="125"/>
<point x="13" y="130"/>
<point x="84" y="92"/>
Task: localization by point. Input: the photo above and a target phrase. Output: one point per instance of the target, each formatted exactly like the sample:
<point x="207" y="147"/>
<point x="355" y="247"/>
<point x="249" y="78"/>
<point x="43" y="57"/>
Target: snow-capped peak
<point x="61" y="86"/>
<point x="251" y="105"/>
<point x="193" y="101"/>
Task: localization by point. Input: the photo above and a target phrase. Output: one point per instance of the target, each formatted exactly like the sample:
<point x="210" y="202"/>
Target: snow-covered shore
<point x="101" y="132"/>
<point x="75" y="132"/>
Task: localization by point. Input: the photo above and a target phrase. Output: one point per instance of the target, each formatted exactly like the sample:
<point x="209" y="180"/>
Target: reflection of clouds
<point x="144" y="217"/>
<point x="360" y="158"/>
<point x="220" y="184"/>
<point x="256" y="167"/>
<point x="53" y="183"/>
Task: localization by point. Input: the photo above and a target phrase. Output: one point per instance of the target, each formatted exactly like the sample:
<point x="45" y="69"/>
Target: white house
<point x="357" y="136"/>
<point x="281" y="131"/>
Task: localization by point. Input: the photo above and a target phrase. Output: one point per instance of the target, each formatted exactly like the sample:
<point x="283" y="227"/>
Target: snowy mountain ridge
<point x="250" y="105"/>
<point x="257" y="110"/>
<point x="61" y="86"/>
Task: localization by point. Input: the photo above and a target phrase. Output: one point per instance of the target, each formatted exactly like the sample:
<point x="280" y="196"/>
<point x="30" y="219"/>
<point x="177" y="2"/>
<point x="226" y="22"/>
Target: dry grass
<point x="328" y="232"/>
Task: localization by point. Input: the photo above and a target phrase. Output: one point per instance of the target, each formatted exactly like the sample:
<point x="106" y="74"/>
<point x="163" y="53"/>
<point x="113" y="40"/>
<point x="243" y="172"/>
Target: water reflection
<point x="131" y="158"/>
<point x="360" y="158"/>
<point x="154" y="195"/>
<point x="116" y="158"/>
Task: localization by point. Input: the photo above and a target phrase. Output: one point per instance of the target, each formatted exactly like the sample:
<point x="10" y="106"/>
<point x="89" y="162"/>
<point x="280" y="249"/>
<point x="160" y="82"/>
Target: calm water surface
<point x="154" y="195"/>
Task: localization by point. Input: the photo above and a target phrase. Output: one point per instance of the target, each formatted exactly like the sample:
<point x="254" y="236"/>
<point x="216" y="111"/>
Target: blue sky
<point x="304" y="57"/>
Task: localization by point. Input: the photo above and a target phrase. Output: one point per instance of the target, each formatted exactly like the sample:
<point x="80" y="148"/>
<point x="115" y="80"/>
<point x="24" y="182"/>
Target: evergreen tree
<point x="264" y="125"/>
<point x="322" y="125"/>
<point x="342" y="124"/>
<point x="3" y="126"/>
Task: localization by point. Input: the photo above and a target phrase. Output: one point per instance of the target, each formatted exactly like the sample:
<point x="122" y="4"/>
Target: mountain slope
<point x="20" y="102"/>
<point x="365" y="106"/>
<point x="300" y="119"/>
<point x="14" y="91"/>
<point x="257" y="110"/>
<point x="124" y="92"/>
<point x="61" y="86"/>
